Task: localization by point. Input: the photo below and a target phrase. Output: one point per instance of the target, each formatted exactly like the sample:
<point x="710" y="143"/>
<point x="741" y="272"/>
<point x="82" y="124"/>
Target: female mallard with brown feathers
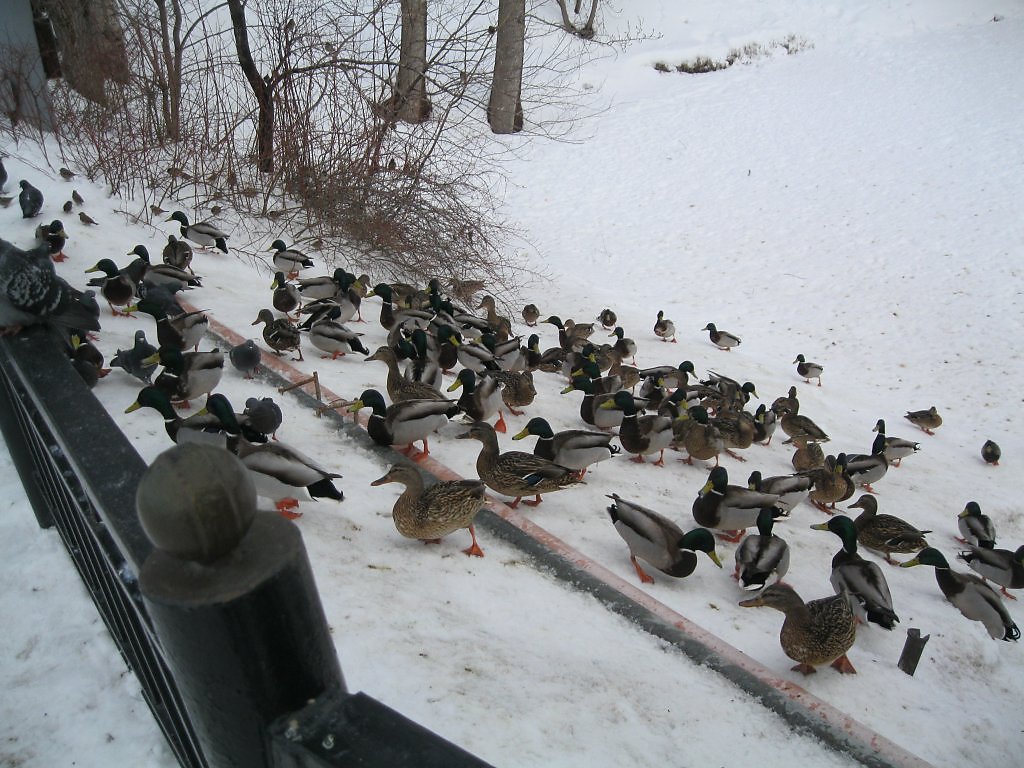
<point x="515" y="473"/>
<point x="928" y="421"/>
<point x="885" y="533"/>
<point x="658" y="541"/>
<point x="429" y="514"/>
<point x="813" y="633"/>
<point x="399" y="387"/>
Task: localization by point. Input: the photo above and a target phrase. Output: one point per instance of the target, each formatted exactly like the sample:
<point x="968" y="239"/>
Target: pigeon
<point x="67" y="174"/>
<point x="32" y="293"/>
<point x="86" y="218"/>
<point x="132" y="361"/>
<point x="246" y="357"/>
<point x="30" y="199"/>
<point x="263" y="416"/>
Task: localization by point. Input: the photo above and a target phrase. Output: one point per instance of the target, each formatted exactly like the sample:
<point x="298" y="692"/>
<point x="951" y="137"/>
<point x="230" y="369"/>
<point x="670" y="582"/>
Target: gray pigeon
<point x="30" y="199"/>
<point x="32" y="293"/>
<point x="263" y="415"/>
<point x="131" y="360"/>
<point x="246" y="357"/>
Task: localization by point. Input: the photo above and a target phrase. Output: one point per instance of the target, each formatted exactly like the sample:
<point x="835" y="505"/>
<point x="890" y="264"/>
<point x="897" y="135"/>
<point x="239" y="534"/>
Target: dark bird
<point x="68" y="206"/>
<point x="30" y="199"/>
<point x="54" y="236"/>
<point x="67" y="174"/>
<point x="3" y="174"/>
<point x="280" y="334"/>
<point x="262" y="415"/>
<point x="246" y="357"/>
<point x="77" y="197"/>
<point x="85" y="218"/>
<point x="975" y="527"/>
<point x="991" y="453"/>
<point x="32" y="293"/>
<point x="132" y="361"/>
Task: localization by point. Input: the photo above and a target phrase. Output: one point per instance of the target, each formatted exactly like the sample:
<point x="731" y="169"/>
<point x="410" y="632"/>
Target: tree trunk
<point x="411" y="87"/>
<point x="261" y="88"/>
<point x="505" y="108"/>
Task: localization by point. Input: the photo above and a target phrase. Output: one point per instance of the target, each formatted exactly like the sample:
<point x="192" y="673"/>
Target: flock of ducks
<point x="647" y="410"/>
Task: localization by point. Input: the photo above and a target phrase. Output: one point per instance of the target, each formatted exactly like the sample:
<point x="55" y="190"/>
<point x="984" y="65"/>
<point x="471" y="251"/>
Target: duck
<point x="286" y="475"/>
<point x="976" y="528"/>
<point x="281" y="335"/>
<point x="201" y="427"/>
<point x="885" y="533"/>
<point x="531" y="315"/>
<point x="737" y="430"/>
<point x="573" y="448"/>
<point x="697" y="435"/>
<point x="333" y="338"/>
<point x="761" y="558"/>
<point x="624" y="346"/>
<point x="798" y="425"/>
<point x="246" y="357"/>
<point x="729" y="508"/>
<point x="1004" y="567"/>
<point x="831" y="484"/>
<point x="480" y="398"/>
<point x="177" y="253"/>
<point x="592" y="408"/>
<point x="607" y="318"/>
<point x="765" y="422"/>
<point x="517" y="389"/>
<point x="896" y="448"/>
<point x="322" y="286"/>
<point x="429" y="514"/>
<point x="498" y="323"/>
<point x="516" y="473"/>
<point x="30" y="199"/>
<point x="286" y="297"/>
<point x="866" y="469"/>
<point x="721" y="339"/>
<point x="975" y="599"/>
<point x="400" y="388"/>
<point x="55" y="237"/>
<point x="202" y="233"/>
<point x="131" y="361"/>
<point x="164" y="274"/>
<point x="813" y="633"/>
<point x="658" y="541"/>
<point x="31" y="293"/>
<point x="807" y="455"/>
<point x="187" y="375"/>
<point x="991" y="453"/>
<point x="641" y="435"/>
<point x="787" y="403"/>
<point x="183" y="330"/>
<point x="928" y="420"/>
<point x="289" y="260"/>
<point x="808" y="370"/>
<point x="860" y="580"/>
<point x="405" y="422"/>
<point x="664" y="328"/>
<point x="116" y="286"/>
<point x="792" y="489"/>
<point x="465" y="290"/>
<point x="87" y="359"/>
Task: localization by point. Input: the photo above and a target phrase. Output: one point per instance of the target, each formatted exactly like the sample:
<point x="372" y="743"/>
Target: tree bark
<point x="261" y="88"/>
<point x="505" y="108"/>
<point x="411" y="86"/>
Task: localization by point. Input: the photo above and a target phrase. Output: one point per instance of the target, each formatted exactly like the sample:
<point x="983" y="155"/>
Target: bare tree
<point x="586" y="31"/>
<point x="411" y="86"/>
<point x="505" y="107"/>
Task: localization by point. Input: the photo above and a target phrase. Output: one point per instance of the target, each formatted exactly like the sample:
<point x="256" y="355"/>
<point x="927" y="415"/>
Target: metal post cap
<point x="196" y="502"/>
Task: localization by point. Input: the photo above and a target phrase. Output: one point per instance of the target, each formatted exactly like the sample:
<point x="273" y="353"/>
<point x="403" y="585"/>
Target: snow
<point x="857" y="202"/>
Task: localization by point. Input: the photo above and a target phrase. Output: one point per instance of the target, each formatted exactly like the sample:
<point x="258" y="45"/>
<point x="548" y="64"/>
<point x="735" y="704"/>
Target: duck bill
<point x="568" y="389"/>
<point x="820" y="526"/>
<point x="521" y="435"/>
<point x="153" y="359"/>
<point x="752" y="602"/>
<point x="910" y="563"/>
<point x="457" y="384"/>
<point x="382" y="480"/>
<point x="133" y="407"/>
<point x="715" y="558"/>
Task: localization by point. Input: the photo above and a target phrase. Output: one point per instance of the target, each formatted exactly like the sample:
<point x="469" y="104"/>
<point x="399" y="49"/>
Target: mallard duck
<point x="721" y="339"/>
<point x="658" y="541"/>
<point x="865" y="469"/>
<point x="517" y="389"/>
<point x="202" y="233"/>
<point x="607" y="318"/>
<point x="737" y="431"/>
<point x="291" y="261"/>
<point x="664" y="328"/>
<point x="405" y="422"/>
<point x="173" y="277"/>
<point x="183" y="330"/>
<point x="861" y="580"/>
<point x="187" y="375"/>
<point x="1002" y="566"/>
<point x="831" y="483"/>
<point x="87" y="359"/>
<point x="286" y="296"/>
<point x="281" y="335"/>
<point x="132" y="360"/>
<point x="762" y="557"/>
<point x="808" y="370"/>
<point x="729" y="508"/>
<point x="927" y="420"/>
<point x="429" y="514"/>
<point x="624" y="346"/>
<point x="531" y="315"/>
<point x="498" y="323"/>
<point x="592" y="408"/>
<point x="116" y="286"/>
<point x="807" y="455"/>
<point x="480" y="398"/>
<point x="30" y="199"/>
<point x="765" y="422"/>
<point x="975" y="527"/>
<point x="31" y="293"/>
<point x="177" y="253"/>
<point x="896" y="448"/>
<point x="515" y="473"/>
<point x="246" y="358"/>
<point x="788" y="403"/>
<point x="975" y="599"/>
<point x="991" y="453"/>
<point x="286" y="475"/>
<point x="641" y="435"/>
<point x="694" y="432"/>
<point x="572" y="448"/>
<point x="813" y="633"/>
<point x="55" y="237"/>
<point x="797" y="425"/>
<point x="322" y="286"/>
<point x="400" y="388"/>
<point x="792" y="489"/>
<point x="204" y="426"/>
<point x="885" y="533"/>
<point x="334" y="338"/>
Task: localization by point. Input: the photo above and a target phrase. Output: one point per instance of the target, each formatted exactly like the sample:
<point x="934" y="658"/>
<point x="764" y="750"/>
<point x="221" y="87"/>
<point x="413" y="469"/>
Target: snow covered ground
<point x="857" y="202"/>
